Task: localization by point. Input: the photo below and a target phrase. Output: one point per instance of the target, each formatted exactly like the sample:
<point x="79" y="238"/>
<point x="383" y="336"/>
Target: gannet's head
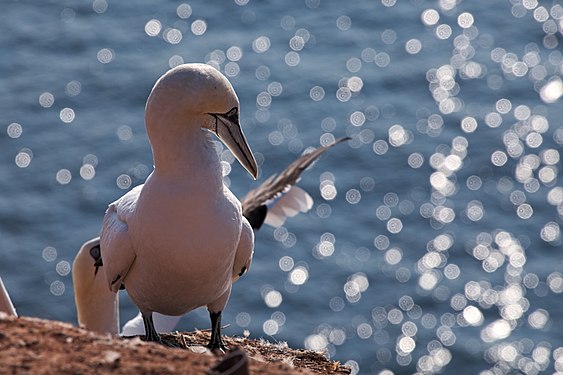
<point x="198" y="94"/>
<point x="96" y="306"/>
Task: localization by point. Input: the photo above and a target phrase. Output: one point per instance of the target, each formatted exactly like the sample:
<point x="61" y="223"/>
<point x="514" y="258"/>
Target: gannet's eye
<point x="97" y="255"/>
<point x="232" y="115"/>
<point x="95" y="252"/>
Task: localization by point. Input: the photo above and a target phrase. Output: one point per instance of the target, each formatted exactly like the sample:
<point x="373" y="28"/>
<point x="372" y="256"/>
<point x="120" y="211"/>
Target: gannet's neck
<point x="184" y="151"/>
<point x="97" y="307"/>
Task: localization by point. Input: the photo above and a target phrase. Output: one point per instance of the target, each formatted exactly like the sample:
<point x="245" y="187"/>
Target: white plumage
<point x="291" y="203"/>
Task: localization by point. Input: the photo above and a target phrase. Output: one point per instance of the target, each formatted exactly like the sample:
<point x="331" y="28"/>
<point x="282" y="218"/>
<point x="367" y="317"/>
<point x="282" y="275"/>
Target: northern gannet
<point x="177" y="241"/>
<point x="271" y="203"/>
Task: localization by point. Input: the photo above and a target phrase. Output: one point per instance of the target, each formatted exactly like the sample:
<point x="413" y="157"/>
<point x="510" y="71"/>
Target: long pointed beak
<point x="228" y="130"/>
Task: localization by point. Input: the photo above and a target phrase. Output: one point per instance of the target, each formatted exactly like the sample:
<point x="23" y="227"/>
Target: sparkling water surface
<point x="434" y="244"/>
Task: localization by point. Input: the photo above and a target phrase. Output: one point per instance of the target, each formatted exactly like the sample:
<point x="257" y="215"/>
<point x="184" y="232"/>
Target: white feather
<point x="6" y="305"/>
<point x="289" y="204"/>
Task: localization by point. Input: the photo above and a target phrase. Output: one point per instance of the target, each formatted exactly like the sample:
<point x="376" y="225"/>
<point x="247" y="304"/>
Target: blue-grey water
<point x="434" y="244"/>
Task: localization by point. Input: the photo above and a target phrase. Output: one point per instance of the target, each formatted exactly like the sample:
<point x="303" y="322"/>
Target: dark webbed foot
<point x="216" y="342"/>
<point x="153" y="336"/>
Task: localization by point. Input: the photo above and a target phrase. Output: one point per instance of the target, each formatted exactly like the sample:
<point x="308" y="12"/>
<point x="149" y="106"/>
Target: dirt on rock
<point x="37" y="346"/>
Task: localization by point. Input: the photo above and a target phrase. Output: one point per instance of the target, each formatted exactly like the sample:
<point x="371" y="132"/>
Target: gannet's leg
<point x="150" y="331"/>
<point x="216" y="341"/>
<point x="215" y="309"/>
<point x="152" y="335"/>
<point x="162" y="324"/>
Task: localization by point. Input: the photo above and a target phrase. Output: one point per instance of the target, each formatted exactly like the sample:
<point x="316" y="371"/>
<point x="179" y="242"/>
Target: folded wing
<point x="117" y="252"/>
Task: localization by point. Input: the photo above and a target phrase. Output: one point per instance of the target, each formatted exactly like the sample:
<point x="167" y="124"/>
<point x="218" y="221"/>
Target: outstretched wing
<point x="255" y="203"/>
<point x="289" y="204"/>
<point x="117" y="251"/>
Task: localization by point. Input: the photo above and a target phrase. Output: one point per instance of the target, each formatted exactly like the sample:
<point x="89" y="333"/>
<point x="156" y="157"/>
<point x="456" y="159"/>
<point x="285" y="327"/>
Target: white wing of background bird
<point x="6" y="305"/>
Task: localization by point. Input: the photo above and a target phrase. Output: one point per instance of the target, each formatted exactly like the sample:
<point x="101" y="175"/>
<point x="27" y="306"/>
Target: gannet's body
<point x="184" y="233"/>
<point x="173" y="241"/>
<point x="271" y="203"/>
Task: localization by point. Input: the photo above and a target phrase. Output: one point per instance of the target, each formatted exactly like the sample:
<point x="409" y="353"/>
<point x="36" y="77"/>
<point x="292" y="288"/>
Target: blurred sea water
<point x="435" y="240"/>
